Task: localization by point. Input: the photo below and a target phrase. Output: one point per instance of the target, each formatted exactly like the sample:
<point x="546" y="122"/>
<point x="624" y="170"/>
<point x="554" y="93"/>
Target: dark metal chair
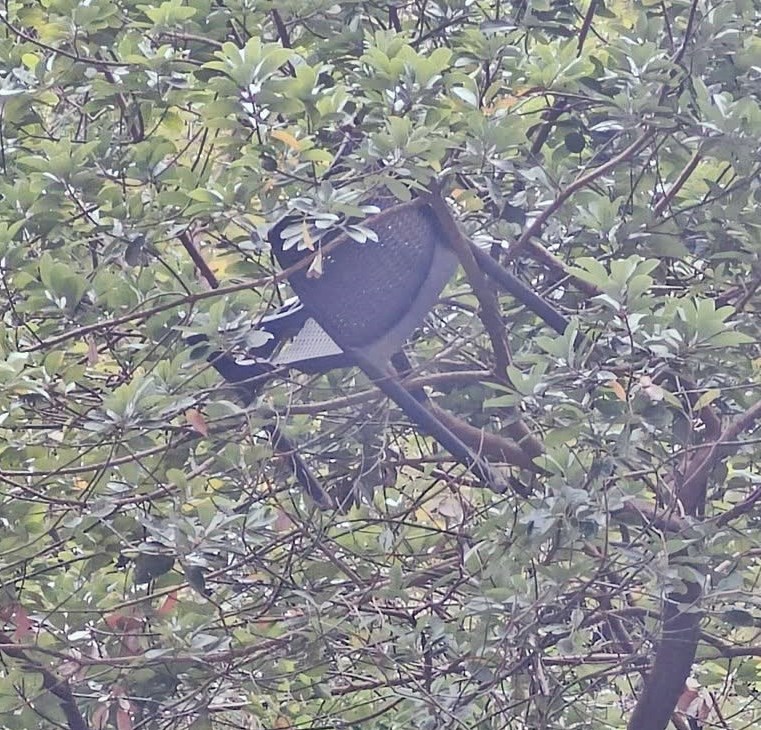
<point x="364" y="304"/>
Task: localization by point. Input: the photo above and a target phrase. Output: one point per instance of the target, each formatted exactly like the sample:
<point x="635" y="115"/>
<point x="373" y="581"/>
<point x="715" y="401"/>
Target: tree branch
<point x="53" y="684"/>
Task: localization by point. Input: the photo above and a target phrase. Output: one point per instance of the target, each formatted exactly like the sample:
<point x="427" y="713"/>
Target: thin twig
<point x="689" y="168"/>
<point x="580" y="182"/>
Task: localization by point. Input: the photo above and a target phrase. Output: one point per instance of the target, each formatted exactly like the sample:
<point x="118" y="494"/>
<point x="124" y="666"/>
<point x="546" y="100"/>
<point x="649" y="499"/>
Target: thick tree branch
<point x="489" y="313"/>
<point x="681" y="615"/>
<point x="53" y="684"/>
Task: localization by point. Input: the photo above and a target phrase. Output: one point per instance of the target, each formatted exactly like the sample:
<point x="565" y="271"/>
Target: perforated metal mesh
<point x="311" y="342"/>
<point x="367" y="288"/>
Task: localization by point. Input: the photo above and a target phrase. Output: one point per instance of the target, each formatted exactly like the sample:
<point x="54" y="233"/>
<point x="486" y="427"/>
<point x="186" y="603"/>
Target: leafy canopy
<point x="159" y="566"/>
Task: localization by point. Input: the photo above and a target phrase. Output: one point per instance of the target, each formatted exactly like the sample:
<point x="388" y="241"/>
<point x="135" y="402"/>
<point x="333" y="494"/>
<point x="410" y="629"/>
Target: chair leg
<point x="401" y="363"/>
<point x="519" y="453"/>
<point x="247" y="379"/>
<point x="282" y="444"/>
<point x="420" y="415"/>
<point x="519" y="290"/>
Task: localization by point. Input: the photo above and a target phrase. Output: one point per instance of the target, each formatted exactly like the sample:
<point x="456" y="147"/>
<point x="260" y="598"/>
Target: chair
<point x="364" y="305"/>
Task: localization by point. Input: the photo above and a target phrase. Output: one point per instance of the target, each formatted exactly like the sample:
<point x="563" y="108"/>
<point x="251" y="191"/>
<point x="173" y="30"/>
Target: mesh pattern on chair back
<point x="367" y="288"/>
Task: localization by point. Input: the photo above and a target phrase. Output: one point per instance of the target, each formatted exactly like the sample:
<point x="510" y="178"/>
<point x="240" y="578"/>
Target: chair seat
<point x="374" y="294"/>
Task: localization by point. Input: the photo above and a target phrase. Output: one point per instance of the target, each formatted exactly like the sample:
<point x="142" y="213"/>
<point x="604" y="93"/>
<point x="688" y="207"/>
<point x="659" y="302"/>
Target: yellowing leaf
<point x="220" y="264"/>
<point x="315" y="268"/>
<point x="618" y="389"/>
<point x="287" y="138"/>
<point x="30" y="60"/>
<point x="708" y="397"/>
<point x="92" y="352"/>
<point x="172" y="123"/>
<point x="196" y="422"/>
<point x="426" y="517"/>
<point x="307" y="236"/>
<point x="503" y="102"/>
<point x="451" y="507"/>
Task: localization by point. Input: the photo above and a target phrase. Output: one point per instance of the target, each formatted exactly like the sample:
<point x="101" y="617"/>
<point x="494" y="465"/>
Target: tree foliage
<point x="160" y="568"/>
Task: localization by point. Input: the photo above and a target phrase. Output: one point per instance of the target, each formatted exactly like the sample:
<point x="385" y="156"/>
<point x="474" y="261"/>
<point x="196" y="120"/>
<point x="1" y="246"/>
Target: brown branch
<point x="489" y="314"/>
<point x="580" y="182"/>
<point x="451" y="22"/>
<point x="281" y="444"/>
<point x="285" y="39"/>
<point x="134" y="121"/>
<point x="462" y="377"/>
<point x="393" y="19"/>
<point x="750" y="290"/>
<point x="692" y="497"/>
<point x="710" y="454"/>
<point x="549" y="117"/>
<point x="180" y="299"/>
<point x="69" y="470"/>
<point x="223" y="656"/>
<point x="740" y="509"/>
<point x="673" y="661"/>
<point x="493" y="447"/>
<point x="667" y="24"/>
<point x="681" y="617"/>
<point x="642" y="509"/>
<point x="586" y="25"/>
<point x="561" y="102"/>
<point x="282" y="31"/>
<point x="677" y="58"/>
<point x="689" y="168"/>
<point x="200" y="262"/>
<point x="728" y="651"/>
<point x="57" y="686"/>
<point x="98" y="63"/>
<point x="707" y="413"/>
<point x="487" y="299"/>
<point x="542" y="256"/>
<point x="174" y="35"/>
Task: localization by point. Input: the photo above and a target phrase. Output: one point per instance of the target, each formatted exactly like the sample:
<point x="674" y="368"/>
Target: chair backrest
<point x="376" y="289"/>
